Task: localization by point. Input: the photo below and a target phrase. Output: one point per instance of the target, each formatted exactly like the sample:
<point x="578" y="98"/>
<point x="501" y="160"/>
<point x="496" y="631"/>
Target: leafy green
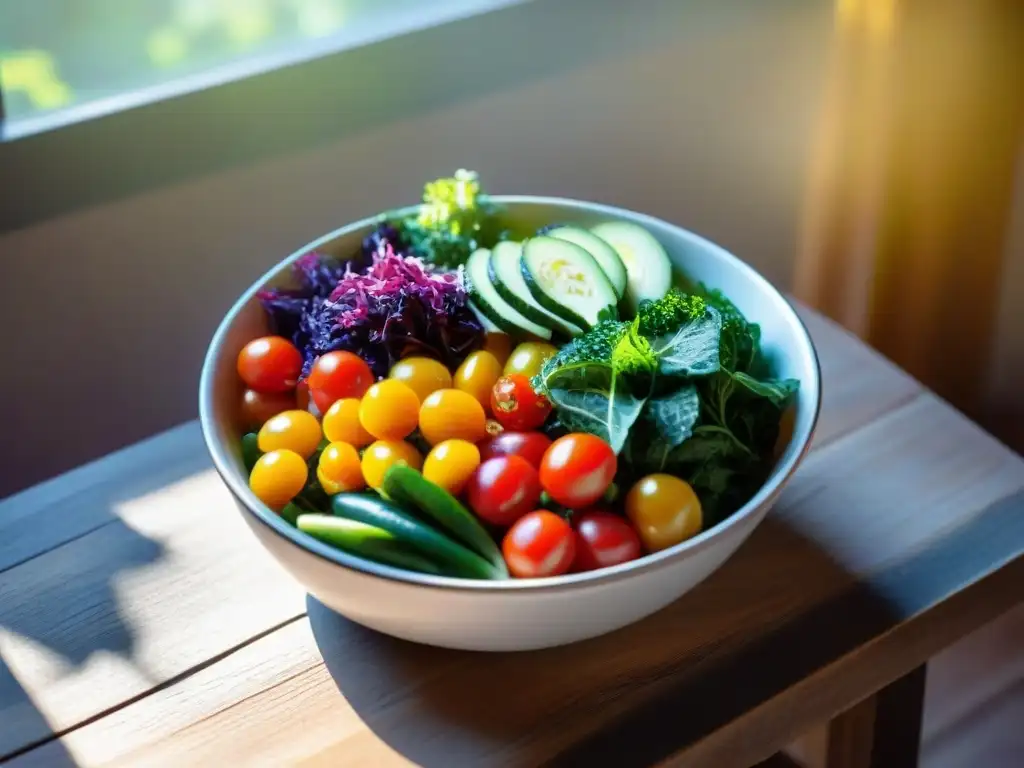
<point x="454" y="220"/>
<point x="596" y="382"/>
<point x="680" y="389"/>
<point x="692" y="349"/>
<point x="665" y="423"/>
<point x="777" y="390"/>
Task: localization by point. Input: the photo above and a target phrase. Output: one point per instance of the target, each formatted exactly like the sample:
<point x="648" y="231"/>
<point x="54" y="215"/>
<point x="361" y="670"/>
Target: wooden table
<point x="141" y="623"/>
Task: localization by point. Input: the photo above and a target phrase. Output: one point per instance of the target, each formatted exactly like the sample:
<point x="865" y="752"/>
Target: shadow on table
<point x="780" y="609"/>
<point x="27" y="717"/>
<point x="73" y="613"/>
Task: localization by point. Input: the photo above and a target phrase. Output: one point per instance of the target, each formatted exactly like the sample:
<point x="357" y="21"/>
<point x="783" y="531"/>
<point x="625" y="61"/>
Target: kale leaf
<point x="600" y="382"/>
<point x="679" y="389"/>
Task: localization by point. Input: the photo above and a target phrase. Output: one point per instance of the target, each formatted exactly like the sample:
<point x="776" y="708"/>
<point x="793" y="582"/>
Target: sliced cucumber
<point x="567" y="281"/>
<point x="489" y="302"/>
<point x="506" y="274"/>
<point x="485" y="321"/>
<point x="606" y="256"/>
<point x="648" y="269"/>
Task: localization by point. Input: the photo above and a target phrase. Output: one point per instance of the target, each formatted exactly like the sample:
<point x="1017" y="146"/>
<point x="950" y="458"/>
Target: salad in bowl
<point x="479" y="394"/>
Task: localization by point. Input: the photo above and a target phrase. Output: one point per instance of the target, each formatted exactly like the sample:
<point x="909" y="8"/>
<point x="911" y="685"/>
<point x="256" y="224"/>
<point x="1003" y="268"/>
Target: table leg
<point x="883" y="731"/>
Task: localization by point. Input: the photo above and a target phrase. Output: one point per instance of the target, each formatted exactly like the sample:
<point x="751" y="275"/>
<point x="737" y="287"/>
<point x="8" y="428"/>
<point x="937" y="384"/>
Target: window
<point x="96" y="56"/>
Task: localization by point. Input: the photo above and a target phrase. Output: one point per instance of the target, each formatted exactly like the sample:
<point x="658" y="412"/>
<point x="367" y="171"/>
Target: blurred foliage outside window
<point x="58" y="53"/>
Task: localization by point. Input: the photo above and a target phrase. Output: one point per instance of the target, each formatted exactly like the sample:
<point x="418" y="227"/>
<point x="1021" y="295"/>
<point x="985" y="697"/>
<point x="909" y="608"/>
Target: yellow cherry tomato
<point x="498" y="344"/>
<point x="423" y="375"/>
<point x="389" y="410"/>
<point x="297" y="431"/>
<point x="339" y="469"/>
<point x="528" y="358"/>
<point x="341" y="424"/>
<point x="382" y="454"/>
<point x="450" y="464"/>
<point x="477" y="375"/>
<point x="452" y="414"/>
<point x="664" y="510"/>
<point x="277" y="477"/>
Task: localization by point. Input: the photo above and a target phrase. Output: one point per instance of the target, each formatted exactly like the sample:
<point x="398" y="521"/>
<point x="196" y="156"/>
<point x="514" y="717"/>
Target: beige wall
<point x="106" y="312"/>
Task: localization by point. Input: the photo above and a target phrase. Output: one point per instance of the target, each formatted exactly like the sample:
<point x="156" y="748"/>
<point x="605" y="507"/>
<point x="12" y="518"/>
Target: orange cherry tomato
<point x="278" y="477"/>
<point x="452" y="414"/>
<point x="379" y="456"/>
<point x="390" y="410"/>
<point x="450" y="464"/>
<point x="423" y="374"/>
<point x="339" y="469"/>
<point x="664" y="509"/>
<point x="477" y="375"/>
<point x="341" y="424"/>
<point x="297" y="431"/>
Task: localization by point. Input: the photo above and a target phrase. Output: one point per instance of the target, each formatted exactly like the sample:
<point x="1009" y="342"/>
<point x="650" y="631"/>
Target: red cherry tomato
<point x="577" y="469"/>
<point x="530" y="445"/>
<point x="270" y="364"/>
<point x="516" y="406"/>
<point x="603" y="539"/>
<point x="539" y="544"/>
<point x="503" y="489"/>
<point x="337" y="375"/>
<point x="259" y="407"/>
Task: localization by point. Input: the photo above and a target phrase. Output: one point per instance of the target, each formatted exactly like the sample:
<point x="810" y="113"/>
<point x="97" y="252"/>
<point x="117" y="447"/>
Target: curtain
<point x="912" y="180"/>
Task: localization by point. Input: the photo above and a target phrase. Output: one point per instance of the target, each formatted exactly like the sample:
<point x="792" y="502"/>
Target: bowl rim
<point x="223" y="459"/>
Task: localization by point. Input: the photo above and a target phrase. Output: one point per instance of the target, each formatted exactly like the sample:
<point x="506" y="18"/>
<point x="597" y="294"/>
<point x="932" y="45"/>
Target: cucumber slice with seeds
<point x="506" y="274"/>
<point x="487" y="300"/>
<point x="606" y="256"/>
<point x="566" y="280"/>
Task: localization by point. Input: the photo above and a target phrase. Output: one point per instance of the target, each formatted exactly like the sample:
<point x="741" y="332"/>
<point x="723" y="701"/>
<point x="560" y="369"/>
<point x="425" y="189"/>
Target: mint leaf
<point x="693" y="348"/>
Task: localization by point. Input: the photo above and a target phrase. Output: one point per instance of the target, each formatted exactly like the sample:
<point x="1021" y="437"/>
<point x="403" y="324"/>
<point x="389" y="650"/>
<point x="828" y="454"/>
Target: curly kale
<point x="454" y="220"/>
<point x="667" y="314"/>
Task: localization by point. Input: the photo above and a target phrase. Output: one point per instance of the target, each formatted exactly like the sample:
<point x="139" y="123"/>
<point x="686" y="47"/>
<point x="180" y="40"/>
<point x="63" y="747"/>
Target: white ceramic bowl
<point x="513" y="614"/>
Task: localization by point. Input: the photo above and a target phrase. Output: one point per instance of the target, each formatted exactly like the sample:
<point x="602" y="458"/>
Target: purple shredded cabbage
<point x="386" y="308"/>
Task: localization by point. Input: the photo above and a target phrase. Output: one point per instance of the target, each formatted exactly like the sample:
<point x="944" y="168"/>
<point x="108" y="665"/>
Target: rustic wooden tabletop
<point x="141" y="623"/>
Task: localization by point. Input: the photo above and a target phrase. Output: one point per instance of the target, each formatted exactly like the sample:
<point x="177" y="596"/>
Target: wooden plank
<point x="49" y="514"/>
<point x="874" y="535"/>
<point x="173" y="579"/>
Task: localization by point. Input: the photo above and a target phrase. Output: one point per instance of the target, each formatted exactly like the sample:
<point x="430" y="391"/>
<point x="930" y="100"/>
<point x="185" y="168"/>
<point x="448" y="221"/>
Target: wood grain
<point x="902" y="506"/>
<point x="171" y="579"/>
